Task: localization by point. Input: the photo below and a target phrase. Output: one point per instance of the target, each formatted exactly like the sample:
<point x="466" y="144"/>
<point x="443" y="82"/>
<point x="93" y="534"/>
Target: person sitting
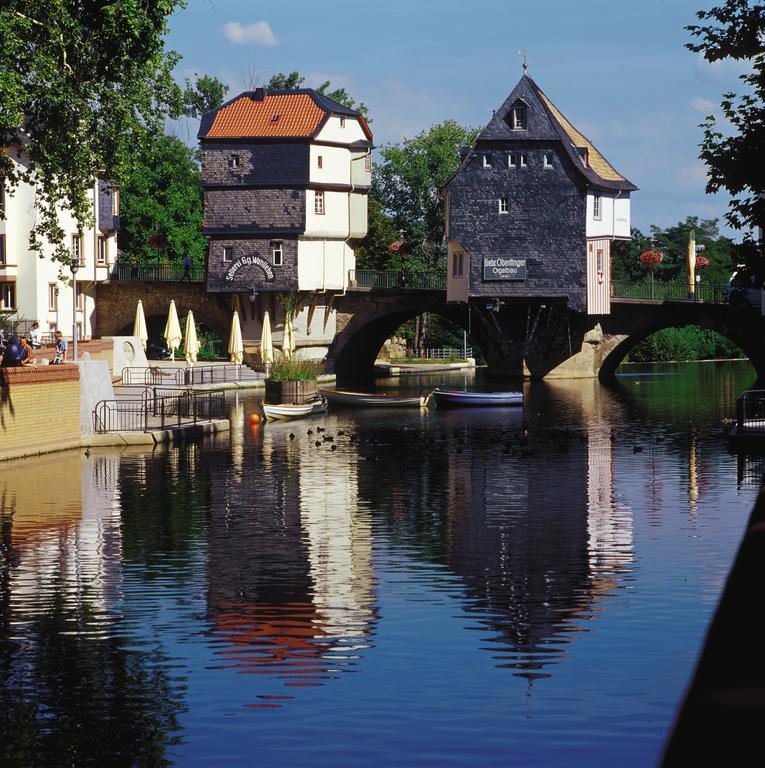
<point x="35" y="336"/>
<point x="27" y="355"/>
<point x="14" y="353"/>
<point x="62" y="347"/>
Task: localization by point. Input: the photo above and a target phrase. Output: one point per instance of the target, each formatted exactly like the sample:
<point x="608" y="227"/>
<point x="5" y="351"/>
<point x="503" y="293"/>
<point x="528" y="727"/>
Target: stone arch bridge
<point x="537" y="338"/>
<point x="532" y="337"/>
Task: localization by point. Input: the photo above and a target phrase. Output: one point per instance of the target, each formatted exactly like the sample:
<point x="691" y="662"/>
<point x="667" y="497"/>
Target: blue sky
<point x="618" y="70"/>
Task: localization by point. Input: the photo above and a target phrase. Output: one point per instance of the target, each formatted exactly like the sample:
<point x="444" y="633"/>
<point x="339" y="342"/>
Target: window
<point x="596" y="208"/>
<point x="504" y="206"/>
<point x="234" y="161"/>
<point x="547" y="160"/>
<point x="277" y="253"/>
<point x="519" y="117"/>
<point x="318" y="203"/>
<point x="522" y="159"/>
<point x="487" y="161"/>
<point x="600" y="261"/>
<point x="7" y="296"/>
<point x="458" y="259"/>
<point x="228" y="253"/>
<point x="101" y="252"/>
<point x="52" y="297"/>
<point x="80" y="297"/>
<point x="368" y="162"/>
<point x="52" y="328"/>
<point x="511" y="160"/>
<point x="342" y="122"/>
<point x="115" y="201"/>
<point x="77" y="248"/>
<point x="2" y="249"/>
<point x="320" y="161"/>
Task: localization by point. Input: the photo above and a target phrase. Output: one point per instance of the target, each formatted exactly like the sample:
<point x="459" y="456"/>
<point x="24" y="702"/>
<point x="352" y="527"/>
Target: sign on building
<point x="250" y="261"/>
<point x="502" y="268"/>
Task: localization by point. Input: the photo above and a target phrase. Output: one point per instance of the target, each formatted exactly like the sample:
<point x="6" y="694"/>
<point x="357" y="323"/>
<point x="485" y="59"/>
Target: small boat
<point x="287" y="411"/>
<point x="458" y="398"/>
<point x="373" y="400"/>
<point x="319" y="405"/>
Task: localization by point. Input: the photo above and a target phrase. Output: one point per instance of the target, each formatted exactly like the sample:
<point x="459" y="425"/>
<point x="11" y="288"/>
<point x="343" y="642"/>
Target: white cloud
<point x="258" y="32"/>
<point x="705" y="106"/>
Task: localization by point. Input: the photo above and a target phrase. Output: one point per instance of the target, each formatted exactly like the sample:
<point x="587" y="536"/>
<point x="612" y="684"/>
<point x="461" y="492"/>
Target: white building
<point x="32" y="285"/>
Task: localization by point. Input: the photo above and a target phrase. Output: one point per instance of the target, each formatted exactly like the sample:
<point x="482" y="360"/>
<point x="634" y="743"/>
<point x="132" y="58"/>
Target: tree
<point x="161" y="202"/>
<point x="736" y="31"/>
<point x="291" y="81"/>
<point x="373" y="252"/>
<point x="204" y="94"/>
<point x="79" y="84"/>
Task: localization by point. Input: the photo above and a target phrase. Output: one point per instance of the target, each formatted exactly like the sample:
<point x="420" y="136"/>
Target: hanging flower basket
<point x="651" y="257"/>
<point x="702" y="262"/>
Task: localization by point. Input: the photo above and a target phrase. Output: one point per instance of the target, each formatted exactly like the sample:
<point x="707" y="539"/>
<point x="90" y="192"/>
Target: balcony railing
<point x="365" y="279"/>
<point x="156" y="273"/>
<point x="707" y="294"/>
<point x="750" y="411"/>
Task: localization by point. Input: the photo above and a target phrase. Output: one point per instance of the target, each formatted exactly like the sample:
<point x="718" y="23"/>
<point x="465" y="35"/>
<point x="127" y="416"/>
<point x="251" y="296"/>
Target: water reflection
<point x="290" y="562"/>
<point x="70" y="689"/>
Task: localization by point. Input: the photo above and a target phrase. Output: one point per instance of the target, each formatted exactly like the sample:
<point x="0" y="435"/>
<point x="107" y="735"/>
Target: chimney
<point x="259" y="94"/>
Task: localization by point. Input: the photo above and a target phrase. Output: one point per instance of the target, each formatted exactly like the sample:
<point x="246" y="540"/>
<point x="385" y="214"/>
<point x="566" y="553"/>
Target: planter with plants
<point x="293" y="380"/>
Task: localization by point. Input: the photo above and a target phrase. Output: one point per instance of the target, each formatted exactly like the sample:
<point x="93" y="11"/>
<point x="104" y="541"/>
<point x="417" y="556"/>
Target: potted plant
<point x="293" y="380"/>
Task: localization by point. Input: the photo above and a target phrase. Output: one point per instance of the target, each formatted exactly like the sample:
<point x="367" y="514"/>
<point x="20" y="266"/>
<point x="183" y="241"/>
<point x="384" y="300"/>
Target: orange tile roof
<point x="246" y="118"/>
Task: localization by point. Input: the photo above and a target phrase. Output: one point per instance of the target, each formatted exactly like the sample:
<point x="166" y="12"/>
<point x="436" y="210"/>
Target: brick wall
<point x="39" y="409"/>
<point x="545" y="222"/>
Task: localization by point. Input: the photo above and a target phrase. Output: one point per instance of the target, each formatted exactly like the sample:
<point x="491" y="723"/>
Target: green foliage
<point x="161" y="203"/>
<point x="204" y="94"/>
<point x="673" y="242"/>
<point x="373" y="252"/>
<point x="407" y="183"/>
<point x="291" y="81"/>
<point x="81" y="82"/>
<point x="736" y="31"/>
<point x="295" y="369"/>
<point x="687" y="343"/>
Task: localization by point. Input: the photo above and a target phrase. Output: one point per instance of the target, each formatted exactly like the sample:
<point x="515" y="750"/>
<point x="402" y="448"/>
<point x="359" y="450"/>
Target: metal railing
<point x="706" y="294"/>
<point x="413" y="281"/>
<point x="442" y="353"/>
<point x="156" y="273"/>
<point x="750" y="411"/>
<point x="184" y="376"/>
<point x="154" y="411"/>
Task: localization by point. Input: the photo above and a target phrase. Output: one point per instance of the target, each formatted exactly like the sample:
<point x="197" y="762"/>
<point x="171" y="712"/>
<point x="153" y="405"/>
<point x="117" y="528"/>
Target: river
<point x="525" y="587"/>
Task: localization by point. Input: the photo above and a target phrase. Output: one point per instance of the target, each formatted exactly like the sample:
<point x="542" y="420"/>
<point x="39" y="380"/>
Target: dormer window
<point x="519" y="116"/>
<point x="274" y="118"/>
<point x="584" y="154"/>
<point x="487" y="161"/>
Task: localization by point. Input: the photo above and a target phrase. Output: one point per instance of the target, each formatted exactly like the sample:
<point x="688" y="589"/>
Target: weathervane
<point x="522" y="52"/>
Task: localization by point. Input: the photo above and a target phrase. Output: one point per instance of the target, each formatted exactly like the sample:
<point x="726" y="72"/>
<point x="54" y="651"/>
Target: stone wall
<point x="39" y="409"/>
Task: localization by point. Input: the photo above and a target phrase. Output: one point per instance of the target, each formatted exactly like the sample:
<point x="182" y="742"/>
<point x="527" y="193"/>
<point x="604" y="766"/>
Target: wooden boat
<point x="286" y="411"/>
<point x="373" y="400"/>
<point x="457" y="398"/>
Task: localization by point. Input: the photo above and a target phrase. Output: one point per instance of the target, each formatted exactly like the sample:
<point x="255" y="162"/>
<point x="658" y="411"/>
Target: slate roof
<point x="545" y="122"/>
<point x="274" y="114"/>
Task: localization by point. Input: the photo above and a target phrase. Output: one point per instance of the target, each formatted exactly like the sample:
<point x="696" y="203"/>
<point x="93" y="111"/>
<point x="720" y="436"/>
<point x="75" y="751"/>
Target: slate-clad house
<point x="286" y="176"/>
<point x="533" y="208"/>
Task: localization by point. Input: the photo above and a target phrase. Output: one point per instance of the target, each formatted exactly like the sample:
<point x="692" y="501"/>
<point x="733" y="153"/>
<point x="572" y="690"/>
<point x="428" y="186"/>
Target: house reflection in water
<point x="68" y="683"/>
<point x="290" y="576"/>
<point x="529" y="525"/>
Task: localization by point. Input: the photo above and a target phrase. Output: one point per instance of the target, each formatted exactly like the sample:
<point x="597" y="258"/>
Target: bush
<point x="687" y="343"/>
<point x="295" y="369"/>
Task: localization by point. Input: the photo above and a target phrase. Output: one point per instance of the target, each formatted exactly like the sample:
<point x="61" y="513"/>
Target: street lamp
<point x="74" y="266"/>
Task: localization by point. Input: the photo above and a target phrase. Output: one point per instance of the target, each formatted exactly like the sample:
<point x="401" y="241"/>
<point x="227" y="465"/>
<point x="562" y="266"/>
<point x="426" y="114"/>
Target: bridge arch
<point x="629" y="325"/>
<point x="366" y="321"/>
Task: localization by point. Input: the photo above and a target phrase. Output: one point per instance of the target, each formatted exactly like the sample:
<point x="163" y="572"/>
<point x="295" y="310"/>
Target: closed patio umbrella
<point x="190" y="343"/>
<point x="172" y="330"/>
<point x="235" y="344"/>
<point x="288" y="343"/>
<point x="139" y="326"/>
<point x="266" y="342"/>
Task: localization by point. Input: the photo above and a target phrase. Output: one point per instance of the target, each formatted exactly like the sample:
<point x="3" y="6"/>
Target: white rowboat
<point x="372" y="400"/>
